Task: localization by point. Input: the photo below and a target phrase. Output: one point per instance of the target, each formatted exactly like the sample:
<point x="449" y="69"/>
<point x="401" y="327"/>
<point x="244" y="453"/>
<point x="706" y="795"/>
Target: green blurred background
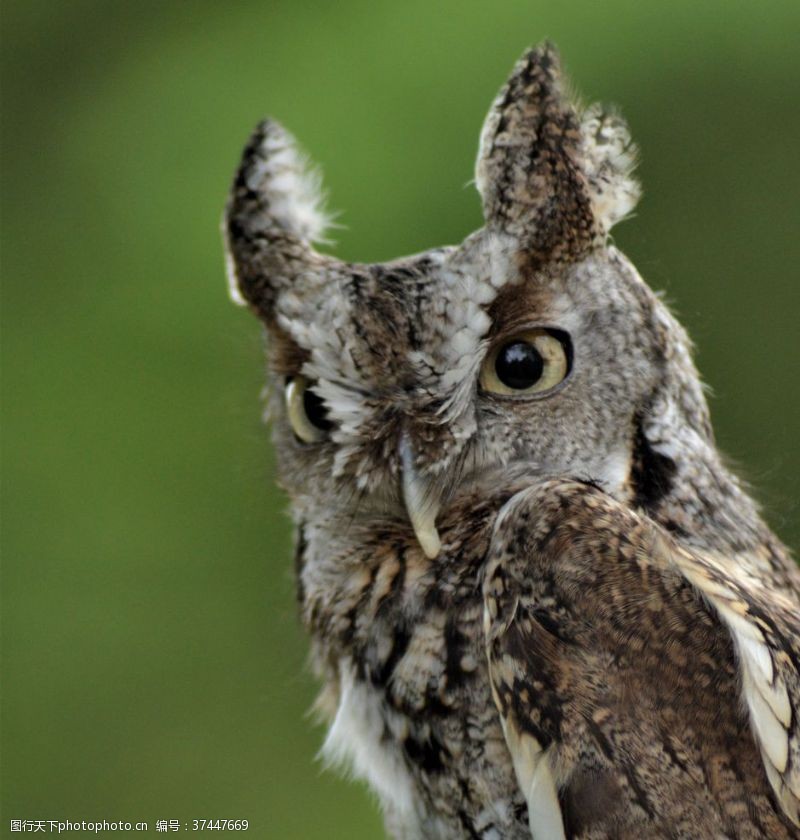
<point x="153" y="666"/>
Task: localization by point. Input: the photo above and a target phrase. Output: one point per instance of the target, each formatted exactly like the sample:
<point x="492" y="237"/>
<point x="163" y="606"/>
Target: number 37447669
<point x="220" y="825"/>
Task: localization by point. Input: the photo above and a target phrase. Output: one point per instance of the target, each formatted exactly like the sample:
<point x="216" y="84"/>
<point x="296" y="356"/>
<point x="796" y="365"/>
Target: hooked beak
<point x="422" y="502"/>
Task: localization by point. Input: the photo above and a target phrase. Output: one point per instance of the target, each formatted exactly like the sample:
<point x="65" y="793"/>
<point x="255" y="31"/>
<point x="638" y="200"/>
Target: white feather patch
<point x="609" y="158"/>
<point x="355" y="739"/>
<point x="292" y="186"/>
<point x="231" y="275"/>
<point x="535" y="777"/>
<point x="771" y="734"/>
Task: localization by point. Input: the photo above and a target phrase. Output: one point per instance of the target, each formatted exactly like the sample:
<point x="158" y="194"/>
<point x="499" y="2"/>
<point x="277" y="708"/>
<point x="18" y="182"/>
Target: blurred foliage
<point x="153" y="662"/>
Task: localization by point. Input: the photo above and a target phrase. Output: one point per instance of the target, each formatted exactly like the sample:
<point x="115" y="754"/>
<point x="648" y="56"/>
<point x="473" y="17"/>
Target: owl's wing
<point x="619" y="658"/>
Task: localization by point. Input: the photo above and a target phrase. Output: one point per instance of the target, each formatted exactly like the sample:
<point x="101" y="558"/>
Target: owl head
<point x="532" y="348"/>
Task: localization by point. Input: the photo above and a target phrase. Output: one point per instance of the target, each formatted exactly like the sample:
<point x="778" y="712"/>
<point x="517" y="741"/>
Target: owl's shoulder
<point x="619" y="659"/>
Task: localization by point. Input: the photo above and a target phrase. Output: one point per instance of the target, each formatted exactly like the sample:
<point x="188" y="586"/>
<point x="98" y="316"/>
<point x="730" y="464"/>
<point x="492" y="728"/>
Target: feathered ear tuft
<point x="276" y="172"/>
<point x="550" y="179"/>
<point x="274" y="213"/>
<point x="609" y="158"/>
<point x="528" y="170"/>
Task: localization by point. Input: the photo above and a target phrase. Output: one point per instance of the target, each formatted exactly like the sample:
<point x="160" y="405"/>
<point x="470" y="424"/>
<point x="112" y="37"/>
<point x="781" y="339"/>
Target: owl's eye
<point x="307" y="412"/>
<point x="530" y="363"/>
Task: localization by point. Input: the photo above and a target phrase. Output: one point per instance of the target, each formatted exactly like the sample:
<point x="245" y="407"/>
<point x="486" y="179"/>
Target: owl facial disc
<point x="388" y="377"/>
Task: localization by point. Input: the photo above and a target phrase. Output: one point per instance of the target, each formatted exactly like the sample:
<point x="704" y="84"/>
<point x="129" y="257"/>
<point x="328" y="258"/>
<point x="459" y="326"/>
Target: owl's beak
<point x="422" y="502"/>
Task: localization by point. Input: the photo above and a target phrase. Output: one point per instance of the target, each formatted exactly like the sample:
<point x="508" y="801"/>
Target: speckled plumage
<point x="548" y="615"/>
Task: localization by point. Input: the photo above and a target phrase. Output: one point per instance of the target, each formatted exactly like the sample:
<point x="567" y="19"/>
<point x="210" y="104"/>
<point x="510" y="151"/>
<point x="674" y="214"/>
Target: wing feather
<point x="765" y="628"/>
<point x="589" y="608"/>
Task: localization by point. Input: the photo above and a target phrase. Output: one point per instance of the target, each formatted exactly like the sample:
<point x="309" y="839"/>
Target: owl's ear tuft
<point x="274" y="213"/>
<point x="551" y="180"/>
<point x="609" y="158"/>
<point x="528" y="169"/>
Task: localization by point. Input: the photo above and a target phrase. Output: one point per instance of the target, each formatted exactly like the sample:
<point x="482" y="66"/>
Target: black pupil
<point x="519" y="365"/>
<point x="315" y="410"/>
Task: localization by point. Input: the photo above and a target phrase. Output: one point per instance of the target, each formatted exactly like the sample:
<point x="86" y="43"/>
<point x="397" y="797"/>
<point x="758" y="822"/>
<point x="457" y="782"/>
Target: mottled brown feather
<point x="636" y="676"/>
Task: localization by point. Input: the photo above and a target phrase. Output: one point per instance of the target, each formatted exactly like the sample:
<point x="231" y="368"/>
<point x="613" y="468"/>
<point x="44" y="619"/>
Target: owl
<point x="539" y="603"/>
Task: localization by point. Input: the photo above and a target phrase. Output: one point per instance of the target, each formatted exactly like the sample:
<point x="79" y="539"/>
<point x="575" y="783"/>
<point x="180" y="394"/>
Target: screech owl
<point x="538" y="601"/>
